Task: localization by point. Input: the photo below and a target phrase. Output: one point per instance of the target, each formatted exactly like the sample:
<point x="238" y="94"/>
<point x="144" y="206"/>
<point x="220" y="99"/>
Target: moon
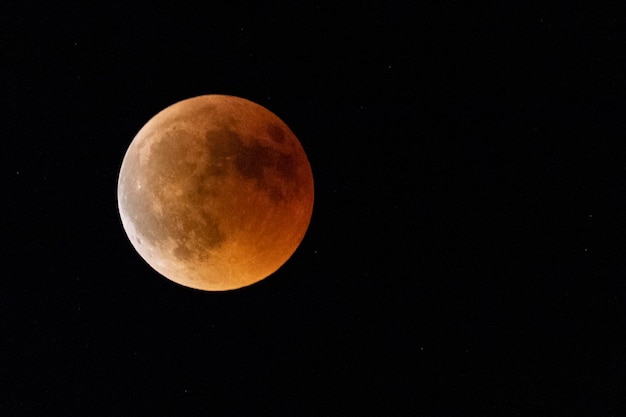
<point x="215" y="192"/>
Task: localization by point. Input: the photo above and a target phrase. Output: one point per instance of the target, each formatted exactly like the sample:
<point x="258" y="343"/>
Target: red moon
<point x="215" y="192"/>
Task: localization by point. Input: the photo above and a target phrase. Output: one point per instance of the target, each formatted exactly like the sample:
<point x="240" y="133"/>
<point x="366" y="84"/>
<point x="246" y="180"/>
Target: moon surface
<point x="215" y="192"/>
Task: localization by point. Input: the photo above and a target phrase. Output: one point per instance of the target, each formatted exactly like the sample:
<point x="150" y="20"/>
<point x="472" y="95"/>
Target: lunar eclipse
<point x="215" y="192"/>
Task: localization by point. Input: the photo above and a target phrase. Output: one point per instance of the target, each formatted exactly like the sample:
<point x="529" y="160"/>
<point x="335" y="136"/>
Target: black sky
<point x="467" y="250"/>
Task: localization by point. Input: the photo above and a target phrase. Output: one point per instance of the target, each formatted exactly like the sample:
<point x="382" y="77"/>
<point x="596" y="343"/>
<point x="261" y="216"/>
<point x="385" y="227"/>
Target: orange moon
<point x="215" y="192"/>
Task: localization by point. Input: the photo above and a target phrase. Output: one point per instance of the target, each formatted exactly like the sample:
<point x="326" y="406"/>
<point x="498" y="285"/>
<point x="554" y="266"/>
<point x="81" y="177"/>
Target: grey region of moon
<point x="215" y="192"/>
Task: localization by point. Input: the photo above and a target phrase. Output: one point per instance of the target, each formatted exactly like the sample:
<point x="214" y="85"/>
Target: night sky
<point x="467" y="250"/>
